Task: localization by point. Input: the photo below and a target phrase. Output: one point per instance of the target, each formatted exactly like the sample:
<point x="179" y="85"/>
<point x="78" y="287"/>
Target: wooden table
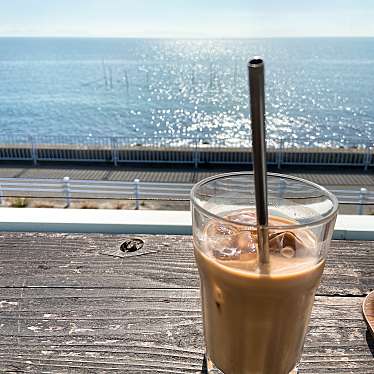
<point x="68" y="306"/>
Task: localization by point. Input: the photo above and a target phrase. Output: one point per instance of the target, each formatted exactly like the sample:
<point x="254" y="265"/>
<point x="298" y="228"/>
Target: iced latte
<point x="255" y="318"/>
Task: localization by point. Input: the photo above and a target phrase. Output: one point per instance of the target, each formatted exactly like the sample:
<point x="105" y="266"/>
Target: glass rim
<point x="316" y="222"/>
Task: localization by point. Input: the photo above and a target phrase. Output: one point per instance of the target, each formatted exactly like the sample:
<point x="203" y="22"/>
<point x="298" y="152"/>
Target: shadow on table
<point x="369" y="340"/>
<point x="204" y="368"/>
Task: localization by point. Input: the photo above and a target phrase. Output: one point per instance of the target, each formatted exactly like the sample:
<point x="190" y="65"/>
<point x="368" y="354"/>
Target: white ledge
<point x="95" y="220"/>
<point x="351" y="227"/>
<point x="348" y="227"/>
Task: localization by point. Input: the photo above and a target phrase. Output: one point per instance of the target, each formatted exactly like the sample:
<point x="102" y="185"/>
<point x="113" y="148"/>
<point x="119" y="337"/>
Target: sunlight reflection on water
<point x="182" y="89"/>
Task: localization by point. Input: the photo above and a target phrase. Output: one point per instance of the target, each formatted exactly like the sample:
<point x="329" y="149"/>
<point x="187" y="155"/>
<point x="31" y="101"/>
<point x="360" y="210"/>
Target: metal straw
<point x="257" y="94"/>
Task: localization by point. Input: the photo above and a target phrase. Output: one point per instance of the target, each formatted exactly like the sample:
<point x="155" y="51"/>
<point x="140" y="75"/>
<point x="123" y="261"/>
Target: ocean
<point x="319" y="92"/>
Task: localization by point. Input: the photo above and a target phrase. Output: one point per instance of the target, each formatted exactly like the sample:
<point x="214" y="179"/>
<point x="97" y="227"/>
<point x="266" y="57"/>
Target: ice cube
<point x="244" y="217"/>
<point x="226" y="253"/>
<point x="289" y="244"/>
<point x="229" y="242"/>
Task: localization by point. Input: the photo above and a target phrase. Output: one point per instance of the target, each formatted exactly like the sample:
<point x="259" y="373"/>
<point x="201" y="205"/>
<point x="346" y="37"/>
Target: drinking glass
<point x="255" y="317"/>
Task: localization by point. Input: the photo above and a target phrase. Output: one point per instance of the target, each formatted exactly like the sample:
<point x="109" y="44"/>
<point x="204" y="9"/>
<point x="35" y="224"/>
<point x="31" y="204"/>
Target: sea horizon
<point x="203" y="38"/>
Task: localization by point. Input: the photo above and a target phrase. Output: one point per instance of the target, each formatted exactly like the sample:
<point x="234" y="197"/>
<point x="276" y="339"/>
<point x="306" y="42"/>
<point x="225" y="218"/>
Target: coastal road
<point x="350" y="179"/>
<point x="347" y="179"/>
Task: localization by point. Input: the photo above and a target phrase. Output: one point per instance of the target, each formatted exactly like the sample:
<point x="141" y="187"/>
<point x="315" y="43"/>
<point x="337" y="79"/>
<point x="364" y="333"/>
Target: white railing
<point x="119" y="149"/>
<point x="69" y="189"/>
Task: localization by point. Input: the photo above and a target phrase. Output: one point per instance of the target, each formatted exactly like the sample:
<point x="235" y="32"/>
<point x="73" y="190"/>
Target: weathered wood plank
<point x="71" y="309"/>
<point x="158" y="331"/>
<point x="65" y="260"/>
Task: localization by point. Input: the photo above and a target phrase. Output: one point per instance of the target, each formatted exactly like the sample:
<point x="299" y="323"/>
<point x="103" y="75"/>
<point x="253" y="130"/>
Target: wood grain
<point x="65" y="260"/>
<point x="137" y="331"/>
<point x="67" y="308"/>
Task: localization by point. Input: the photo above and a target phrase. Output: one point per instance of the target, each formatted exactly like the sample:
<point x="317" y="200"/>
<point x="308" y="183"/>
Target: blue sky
<point x="187" y="18"/>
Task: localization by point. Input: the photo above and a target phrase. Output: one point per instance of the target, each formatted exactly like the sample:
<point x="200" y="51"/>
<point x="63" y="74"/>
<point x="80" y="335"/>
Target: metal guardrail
<point x="118" y="149"/>
<point x="69" y="189"/>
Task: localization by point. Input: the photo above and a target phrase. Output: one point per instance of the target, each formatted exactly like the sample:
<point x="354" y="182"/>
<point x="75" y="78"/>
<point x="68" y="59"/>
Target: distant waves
<point x="180" y="89"/>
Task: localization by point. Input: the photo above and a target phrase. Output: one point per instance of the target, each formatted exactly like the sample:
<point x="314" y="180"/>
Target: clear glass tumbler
<point x="256" y="318"/>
